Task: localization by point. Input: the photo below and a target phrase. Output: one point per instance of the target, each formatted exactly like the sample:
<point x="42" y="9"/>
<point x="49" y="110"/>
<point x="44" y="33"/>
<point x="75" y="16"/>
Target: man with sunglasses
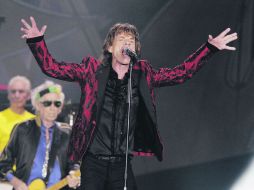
<point x="38" y="147"/>
<point x="101" y="140"/>
<point x="19" y="88"/>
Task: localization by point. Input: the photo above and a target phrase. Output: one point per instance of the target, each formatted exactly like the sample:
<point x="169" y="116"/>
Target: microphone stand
<point x="129" y="98"/>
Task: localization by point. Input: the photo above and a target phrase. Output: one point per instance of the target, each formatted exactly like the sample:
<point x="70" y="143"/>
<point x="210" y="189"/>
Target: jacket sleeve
<point x="53" y="68"/>
<point x="7" y="158"/>
<point x="184" y="71"/>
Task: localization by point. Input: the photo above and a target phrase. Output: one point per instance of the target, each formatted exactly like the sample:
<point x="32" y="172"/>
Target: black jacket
<point x="22" y="146"/>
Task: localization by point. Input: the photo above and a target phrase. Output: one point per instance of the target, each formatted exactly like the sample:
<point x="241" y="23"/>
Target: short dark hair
<point x="115" y="30"/>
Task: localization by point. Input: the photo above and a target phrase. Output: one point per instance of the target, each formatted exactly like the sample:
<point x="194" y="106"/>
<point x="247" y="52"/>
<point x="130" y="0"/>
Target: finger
<point x="69" y="179"/>
<point x="33" y="22"/>
<point x="230" y="36"/>
<point x="73" y="184"/>
<point x="25" y="24"/>
<point x="24" y="30"/>
<point x="71" y="173"/>
<point x="43" y="29"/>
<point x="24" y="36"/>
<point x="210" y="37"/>
<point x="230" y="48"/>
<point x="231" y="39"/>
<point x="222" y="34"/>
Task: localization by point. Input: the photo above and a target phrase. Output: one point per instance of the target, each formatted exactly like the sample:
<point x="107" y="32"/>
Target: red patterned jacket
<point x="92" y="76"/>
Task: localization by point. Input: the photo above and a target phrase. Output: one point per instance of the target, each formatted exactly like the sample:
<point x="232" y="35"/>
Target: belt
<point x="109" y="158"/>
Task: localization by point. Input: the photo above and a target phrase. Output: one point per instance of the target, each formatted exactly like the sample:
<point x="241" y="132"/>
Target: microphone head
<point x="130" y="53"/>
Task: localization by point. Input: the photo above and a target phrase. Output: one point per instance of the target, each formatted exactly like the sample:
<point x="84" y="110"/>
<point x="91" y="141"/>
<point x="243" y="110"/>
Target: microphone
<point x="130" y="53"/>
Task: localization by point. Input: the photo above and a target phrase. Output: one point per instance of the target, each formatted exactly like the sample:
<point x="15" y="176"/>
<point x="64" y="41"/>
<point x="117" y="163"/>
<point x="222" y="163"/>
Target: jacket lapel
<point x="102" y="78"/>
<point x="36" y="133"/>
<point x="146" y="96"/>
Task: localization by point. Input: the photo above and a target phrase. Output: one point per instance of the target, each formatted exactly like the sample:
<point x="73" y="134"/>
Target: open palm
<point x="31" y="31"/>
<point x="223" y="39"/>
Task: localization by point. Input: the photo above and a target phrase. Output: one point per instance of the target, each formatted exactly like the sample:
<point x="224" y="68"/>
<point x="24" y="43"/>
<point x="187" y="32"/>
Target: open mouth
<point x="123" y="51"/>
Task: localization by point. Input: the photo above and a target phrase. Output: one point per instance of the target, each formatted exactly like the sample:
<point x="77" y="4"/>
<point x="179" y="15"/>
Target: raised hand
<point x="31" y="31"/>
<point x="223" y="39"/>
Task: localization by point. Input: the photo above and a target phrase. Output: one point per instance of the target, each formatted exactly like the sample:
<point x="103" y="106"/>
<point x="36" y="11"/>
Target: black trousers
<point x="97" y="174"/>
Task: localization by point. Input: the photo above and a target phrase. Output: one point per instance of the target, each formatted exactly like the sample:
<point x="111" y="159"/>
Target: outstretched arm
<point x="185" y="71"/>
<point x="50" y="66"/>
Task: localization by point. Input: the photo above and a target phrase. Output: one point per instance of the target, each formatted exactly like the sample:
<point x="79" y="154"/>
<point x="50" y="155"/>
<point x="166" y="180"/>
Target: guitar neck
<point x="58" y="185"/>
<point x="63" y="182"/>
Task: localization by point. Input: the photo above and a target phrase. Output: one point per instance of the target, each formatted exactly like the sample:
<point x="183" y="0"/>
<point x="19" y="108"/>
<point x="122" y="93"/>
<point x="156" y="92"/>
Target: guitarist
<point x="38" y="147"/>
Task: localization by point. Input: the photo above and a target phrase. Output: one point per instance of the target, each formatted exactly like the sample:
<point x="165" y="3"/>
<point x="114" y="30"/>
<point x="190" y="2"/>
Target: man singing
<point x="100" y="133"/>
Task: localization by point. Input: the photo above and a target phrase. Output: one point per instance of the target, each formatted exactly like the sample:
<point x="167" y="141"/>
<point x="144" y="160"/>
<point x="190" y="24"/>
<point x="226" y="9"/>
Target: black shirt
<point x="110" y="135"/>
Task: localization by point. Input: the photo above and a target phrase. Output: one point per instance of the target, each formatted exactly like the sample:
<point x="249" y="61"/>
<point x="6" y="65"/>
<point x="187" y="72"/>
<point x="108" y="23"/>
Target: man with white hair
<point x="19" y="89"/>
<point x="38" y="146"/>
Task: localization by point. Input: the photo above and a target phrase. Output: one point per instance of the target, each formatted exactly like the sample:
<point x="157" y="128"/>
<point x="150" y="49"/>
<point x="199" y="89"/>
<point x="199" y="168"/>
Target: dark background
<point x="206" y="124"/>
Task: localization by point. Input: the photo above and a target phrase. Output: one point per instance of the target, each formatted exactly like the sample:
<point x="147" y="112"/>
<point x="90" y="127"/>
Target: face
<point x="18" y="94"/>
<point x="49" y="107"/>
<point x="122" y="41"/>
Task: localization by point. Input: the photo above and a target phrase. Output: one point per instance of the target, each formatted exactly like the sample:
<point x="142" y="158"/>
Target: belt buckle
<point x="103" y="157"/>
<point x="114" y="158"/>
<point x="109" y="158"/>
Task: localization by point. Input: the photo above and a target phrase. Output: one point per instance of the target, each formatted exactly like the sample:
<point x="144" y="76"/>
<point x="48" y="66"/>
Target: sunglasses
<point x="14" y="91"/>
<point x="48" y="103"/>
